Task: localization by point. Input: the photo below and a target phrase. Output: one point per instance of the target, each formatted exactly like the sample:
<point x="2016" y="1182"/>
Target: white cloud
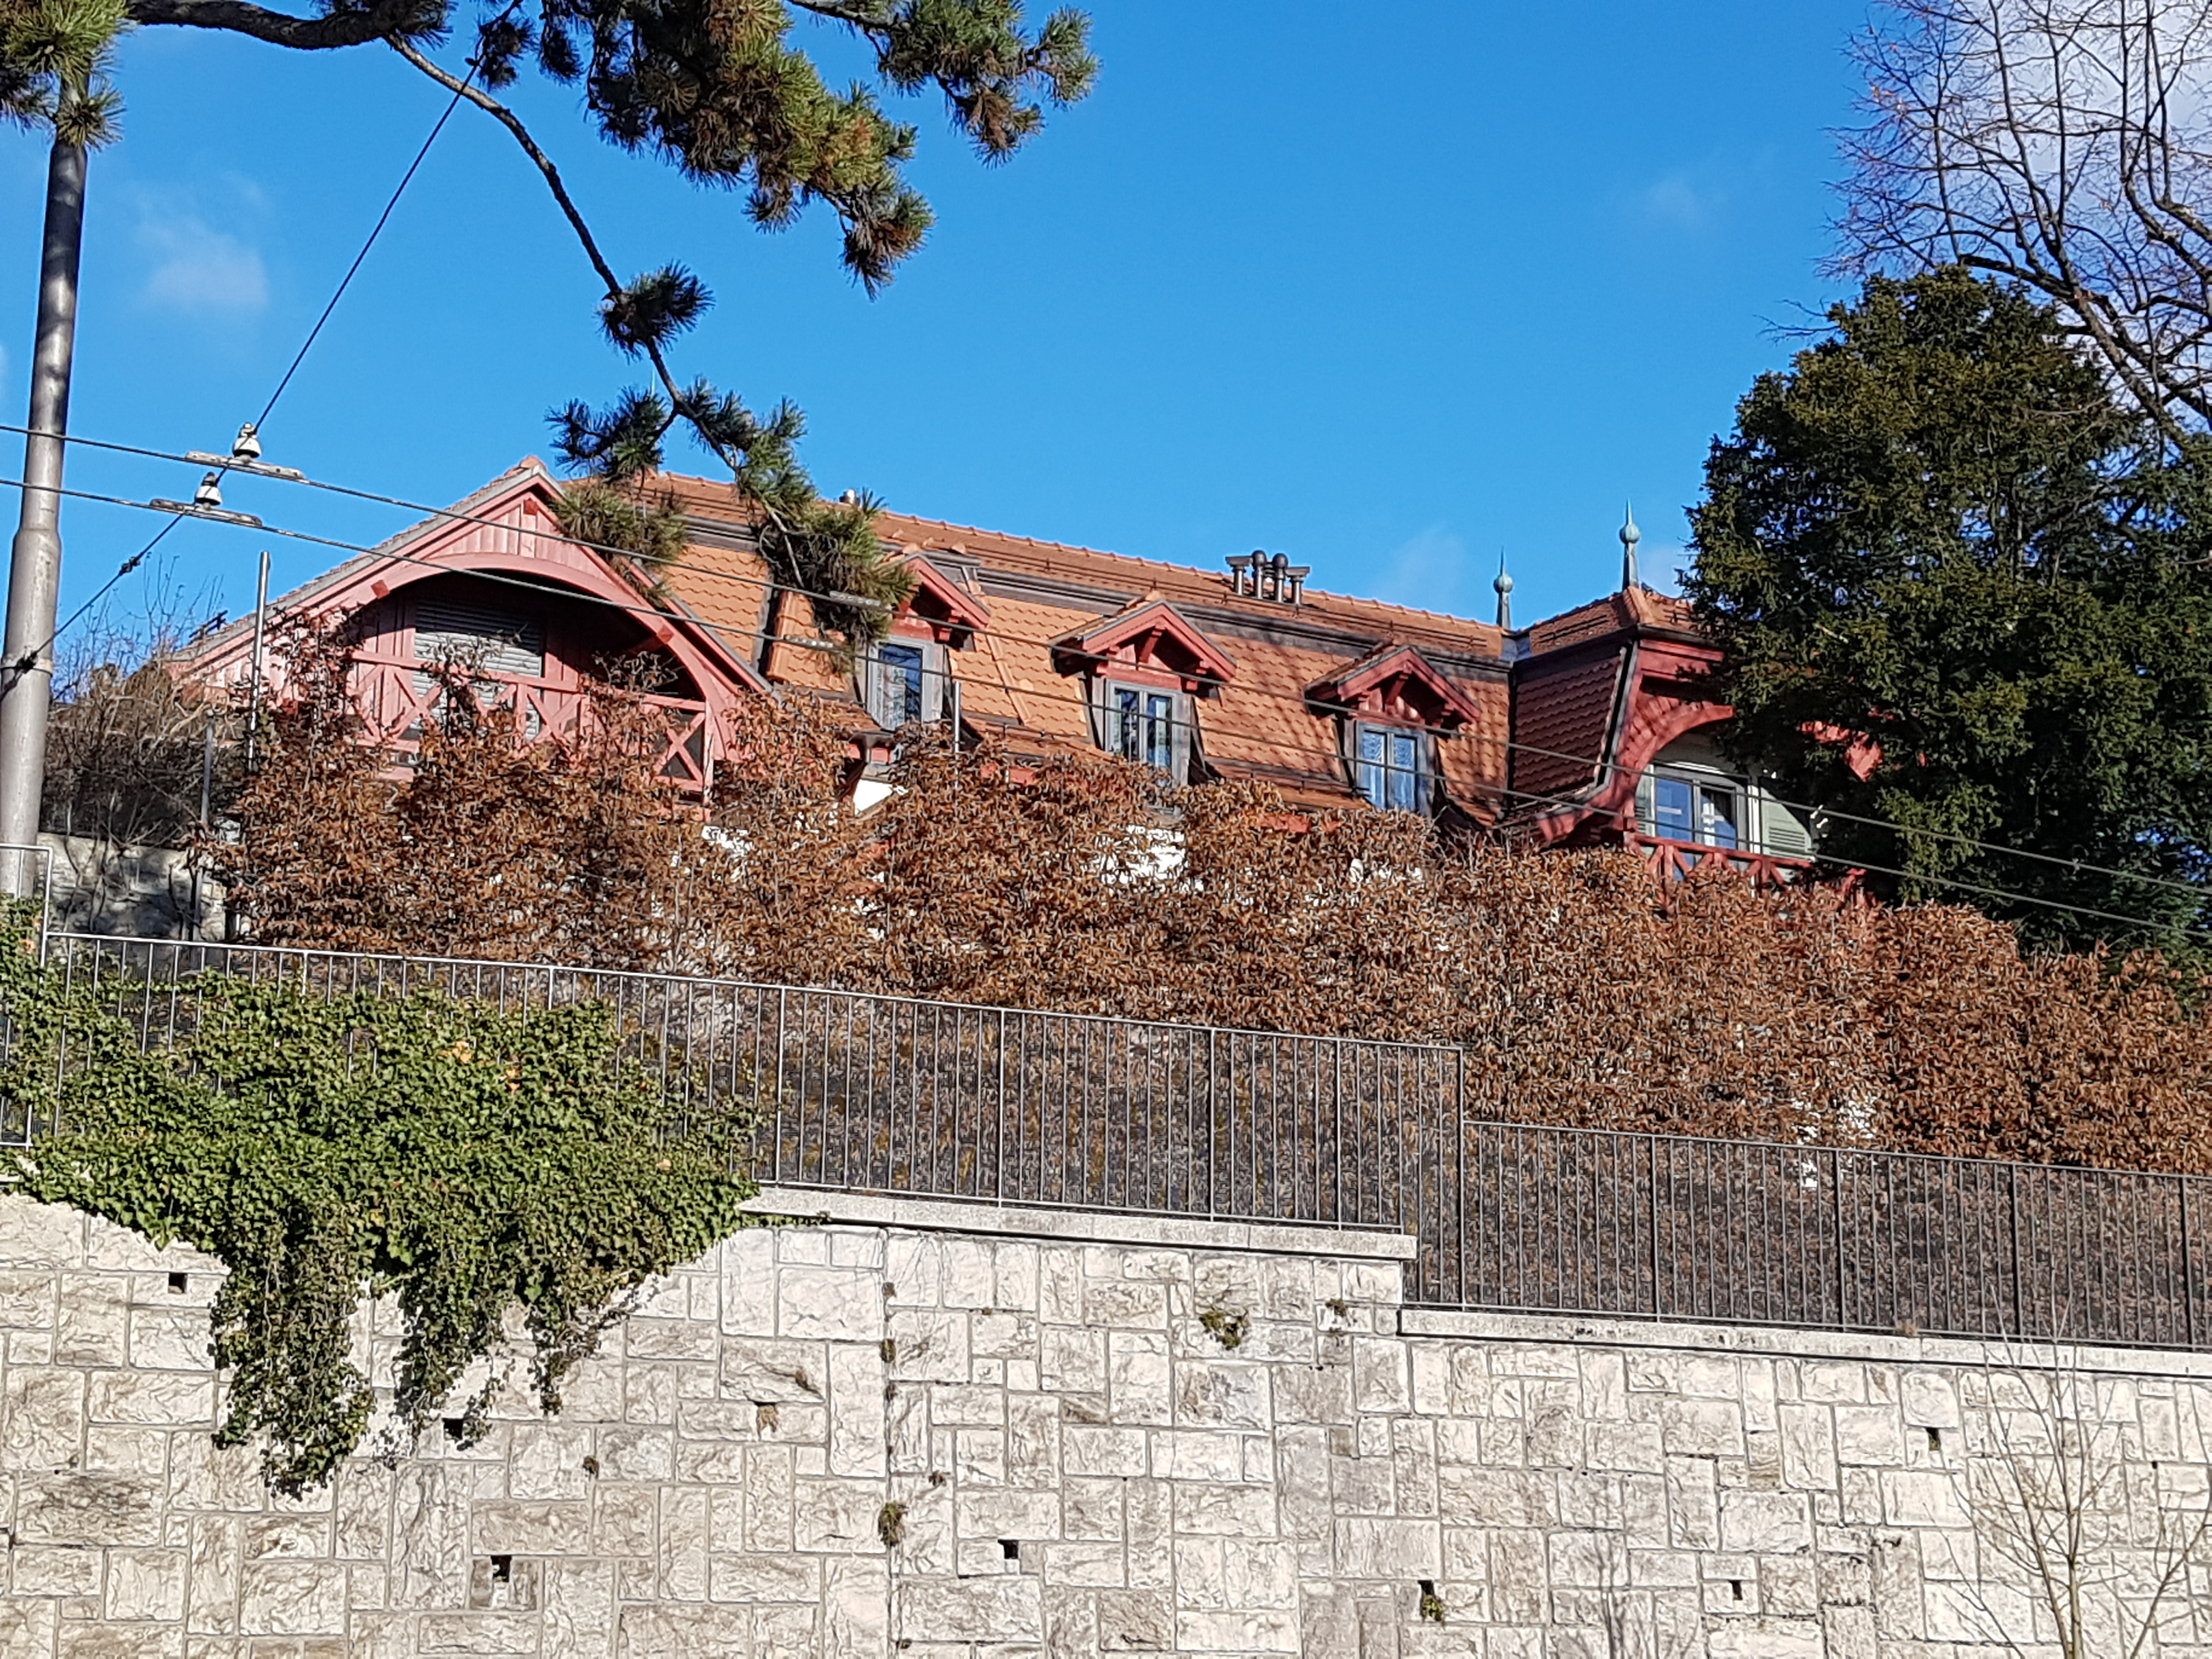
<point x="1679" y="203"/>
<point x="1433" y="571"/>
<point x="199" y="270"/>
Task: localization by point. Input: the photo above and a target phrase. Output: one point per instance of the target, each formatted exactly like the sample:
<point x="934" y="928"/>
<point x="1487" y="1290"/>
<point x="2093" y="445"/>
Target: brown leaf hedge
<point x="1582" y="993"/>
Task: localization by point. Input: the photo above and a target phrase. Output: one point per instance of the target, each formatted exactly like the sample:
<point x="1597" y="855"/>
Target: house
<point x="1586" y="728"/>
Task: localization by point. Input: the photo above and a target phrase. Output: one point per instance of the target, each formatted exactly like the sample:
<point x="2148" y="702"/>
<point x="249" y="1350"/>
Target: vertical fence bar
<point x="2188" y="1269"/>
<point x="1651" y="1169"/>
<point x="2012" y="1227"/>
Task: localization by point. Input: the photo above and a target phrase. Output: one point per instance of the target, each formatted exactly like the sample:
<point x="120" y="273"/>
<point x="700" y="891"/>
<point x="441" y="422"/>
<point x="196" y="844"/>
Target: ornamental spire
<point x="1503" y="584"/>
<point x="1630" y="535"/>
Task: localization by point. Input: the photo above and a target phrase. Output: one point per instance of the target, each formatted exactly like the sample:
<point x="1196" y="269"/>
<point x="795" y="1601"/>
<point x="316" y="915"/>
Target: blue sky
<point x="1388" y="300"/>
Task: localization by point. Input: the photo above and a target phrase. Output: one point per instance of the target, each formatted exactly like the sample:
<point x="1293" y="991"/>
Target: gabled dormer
<point x="908" y="676"/>
<point x="1152" y="637"/>
<point x="1142" y="670"/>
<point x="941" y="605"/>
<point x="1392" y="706"/>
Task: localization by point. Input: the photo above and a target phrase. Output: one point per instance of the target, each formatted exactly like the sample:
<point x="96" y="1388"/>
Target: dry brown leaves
<point x="1082" y="885"/>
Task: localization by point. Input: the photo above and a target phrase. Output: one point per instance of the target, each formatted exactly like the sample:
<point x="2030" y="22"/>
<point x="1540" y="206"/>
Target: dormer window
<point x="1144" y="670"/>
<point x="1707" y="811"/>
<point x="905" y="684"/>
<point x="1392" y="706"/>
<point x="1690" y="794"/>
<point x="908" y="676"/>
<point x="1145" y="723"/>
<point x="1391" y="773"/>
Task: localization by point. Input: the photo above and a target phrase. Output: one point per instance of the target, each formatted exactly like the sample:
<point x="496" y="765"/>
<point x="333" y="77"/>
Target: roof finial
<point x="1503" y="584"/>
<point x="1630" y="535"/>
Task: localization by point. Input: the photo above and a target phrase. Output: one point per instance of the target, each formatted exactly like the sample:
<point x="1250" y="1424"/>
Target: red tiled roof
<point x="1258" y="725"/>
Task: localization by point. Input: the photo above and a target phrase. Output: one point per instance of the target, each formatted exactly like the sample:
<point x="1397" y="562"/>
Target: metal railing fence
<point x="893" y="1094"/>
<point x="1671" y="1227"/>
<point x="889" y="1094"/>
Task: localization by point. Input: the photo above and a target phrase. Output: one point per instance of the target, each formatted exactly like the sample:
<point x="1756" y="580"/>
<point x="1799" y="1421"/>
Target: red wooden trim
<point x="1134" y="639"/>
<point x="952" y="608"/>
<point x="1369" y="687"/>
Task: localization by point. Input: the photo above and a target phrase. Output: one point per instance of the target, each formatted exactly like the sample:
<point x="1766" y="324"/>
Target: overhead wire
<point x="767" y="584"/>
<point x="1334" y="758"/>
<point x="454" y="514"/>
<point x="374" y="231"/>
<point x="298" y="358"/>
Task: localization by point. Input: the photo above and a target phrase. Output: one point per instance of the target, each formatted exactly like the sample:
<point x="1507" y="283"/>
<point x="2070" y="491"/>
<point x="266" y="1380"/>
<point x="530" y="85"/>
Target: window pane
<point x="1670" y="809"/>
<point x="901" y="666"/>
<point x="1370" y="766"/>
<point x="1389" y="771"/>
<point x="1405" y="791"/>
<point x="1159" y="732"/>
<point x="1130" y="740"/>
<point x="1720" y="817"/>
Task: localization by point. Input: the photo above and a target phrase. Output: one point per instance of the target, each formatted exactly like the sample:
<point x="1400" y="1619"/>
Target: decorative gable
<point x="941" y="606"/>
<point x="1395" y="683"/>
<point x="1150" y="637"/>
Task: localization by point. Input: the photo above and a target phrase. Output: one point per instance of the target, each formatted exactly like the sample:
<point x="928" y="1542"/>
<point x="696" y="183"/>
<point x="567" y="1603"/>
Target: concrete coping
<point x="1793" y="1342"/>
<point x="1079" y="1226"/>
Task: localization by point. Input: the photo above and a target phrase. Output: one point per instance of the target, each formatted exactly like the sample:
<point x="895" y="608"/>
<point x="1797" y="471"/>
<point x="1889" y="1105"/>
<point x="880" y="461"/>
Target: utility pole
<point x="26" y="660"/>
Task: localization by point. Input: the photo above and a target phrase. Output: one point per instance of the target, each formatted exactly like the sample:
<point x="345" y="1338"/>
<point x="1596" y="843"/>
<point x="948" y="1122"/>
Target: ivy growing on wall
<point x="473" y="1164"/>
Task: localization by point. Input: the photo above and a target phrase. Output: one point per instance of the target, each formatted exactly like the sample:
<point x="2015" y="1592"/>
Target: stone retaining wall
<point x="1073" y="1463"/>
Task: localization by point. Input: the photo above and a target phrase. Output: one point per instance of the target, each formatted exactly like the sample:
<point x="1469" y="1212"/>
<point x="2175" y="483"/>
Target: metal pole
<point x="207" y="804"/>
<point x="956" y="736"/>
<point x="2188" y="1270"/>
<point x="35" y="565"/>
<point x="253" y="691"/>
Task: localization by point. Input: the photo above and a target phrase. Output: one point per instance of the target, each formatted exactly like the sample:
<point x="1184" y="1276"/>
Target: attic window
<point x="1141" y="725"/>
<point x="1147" y="724"/>
<point x="479" y="637"/>
<point x="1391" y="767"/>
<point x="903" y="681"/>
<point x="1705" y="810"/>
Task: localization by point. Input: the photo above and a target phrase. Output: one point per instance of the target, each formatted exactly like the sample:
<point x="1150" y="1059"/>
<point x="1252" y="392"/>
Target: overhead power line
<point x="298" y="358"/>
<point x="768" y="584"/>
<point x="642" y="608"/>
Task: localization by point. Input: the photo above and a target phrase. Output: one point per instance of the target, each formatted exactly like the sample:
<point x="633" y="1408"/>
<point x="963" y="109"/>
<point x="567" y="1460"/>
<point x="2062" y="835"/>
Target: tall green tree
<point x="1963" y="591"/>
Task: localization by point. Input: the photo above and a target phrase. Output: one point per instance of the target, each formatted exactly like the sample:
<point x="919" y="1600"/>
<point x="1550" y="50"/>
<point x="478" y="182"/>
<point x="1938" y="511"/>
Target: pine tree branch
<point x="861" y="13"/>
<point x="507" y="119"/>
<point x="387" y="19"/>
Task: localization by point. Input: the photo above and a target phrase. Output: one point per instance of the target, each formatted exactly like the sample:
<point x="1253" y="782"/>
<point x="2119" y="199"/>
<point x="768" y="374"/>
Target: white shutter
<point x="1781" y="830"/>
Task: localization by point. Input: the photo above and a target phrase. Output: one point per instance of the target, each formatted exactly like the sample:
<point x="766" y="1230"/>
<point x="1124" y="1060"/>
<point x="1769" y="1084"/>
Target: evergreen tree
<point x="1964" y="591"/>
<point x="716" y="89"/>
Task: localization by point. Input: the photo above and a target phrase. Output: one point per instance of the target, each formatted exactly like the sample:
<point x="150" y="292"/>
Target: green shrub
<point x="466" y="1160"/>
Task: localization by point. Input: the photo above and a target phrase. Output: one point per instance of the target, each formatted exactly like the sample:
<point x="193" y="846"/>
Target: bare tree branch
<point x="2065" y="145"/>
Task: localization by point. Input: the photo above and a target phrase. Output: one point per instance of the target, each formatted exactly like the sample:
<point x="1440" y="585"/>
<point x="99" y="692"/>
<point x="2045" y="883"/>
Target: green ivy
<point x="465" y="1160"/>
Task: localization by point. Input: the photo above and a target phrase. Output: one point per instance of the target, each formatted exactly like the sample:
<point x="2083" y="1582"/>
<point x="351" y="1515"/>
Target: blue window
<point x="1390" y="769"/>
<point x="1144" y="726"/>
<point x="898" y="684"/>
<point x="1693" y="809"/>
